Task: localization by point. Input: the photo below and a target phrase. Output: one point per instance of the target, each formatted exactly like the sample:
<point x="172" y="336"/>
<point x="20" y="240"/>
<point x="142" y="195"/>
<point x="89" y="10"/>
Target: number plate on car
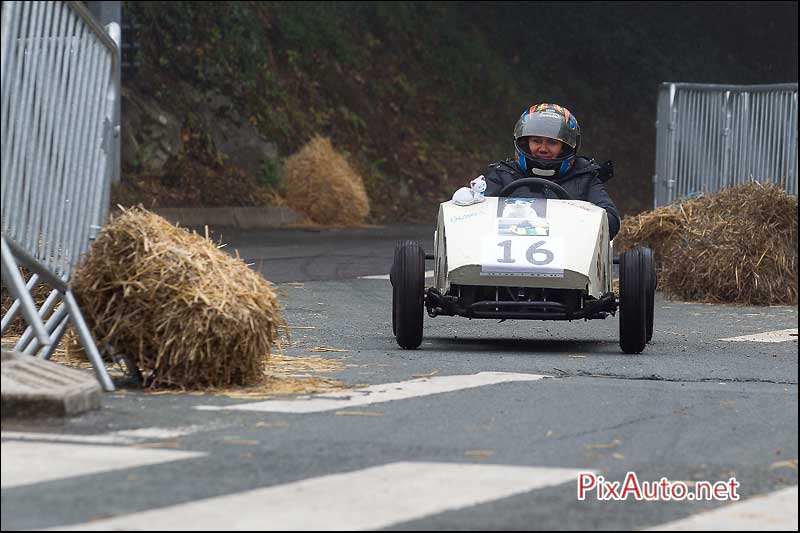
<point x="522" y="256"/>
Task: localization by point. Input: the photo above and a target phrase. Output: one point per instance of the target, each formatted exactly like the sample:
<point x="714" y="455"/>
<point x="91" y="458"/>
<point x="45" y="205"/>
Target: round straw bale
<point x="738" y="245"/>
<point x="189" y="315"/>
<point x="321" y="184"/>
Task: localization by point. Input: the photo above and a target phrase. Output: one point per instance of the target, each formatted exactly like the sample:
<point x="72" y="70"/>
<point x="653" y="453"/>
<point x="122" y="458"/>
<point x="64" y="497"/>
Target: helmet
<point x="546" y="120"/>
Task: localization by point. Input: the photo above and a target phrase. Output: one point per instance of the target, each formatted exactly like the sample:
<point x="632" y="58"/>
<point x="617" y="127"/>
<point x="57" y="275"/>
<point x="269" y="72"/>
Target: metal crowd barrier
<point x="59" y="143"/>
<point x="714" y="136"/>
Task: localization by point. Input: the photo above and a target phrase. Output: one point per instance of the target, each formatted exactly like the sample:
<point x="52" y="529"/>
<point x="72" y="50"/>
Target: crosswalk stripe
<point x="782" y="335"/>
<point x="776" y="511"/>
<point x="379" y="393"/>
<point x="126" y="436"/>
<point x="369" y="499"/>
<point x="26" y="463"/>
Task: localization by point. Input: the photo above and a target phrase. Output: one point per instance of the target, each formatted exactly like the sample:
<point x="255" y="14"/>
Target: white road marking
<point x="428" y="274"/>
<point x="25" y="463"/>
<point x="385" y="392"/>
<point x="782" y="335"/>
<point x="369" y="499"/>
<point x="127" y="436"/>
<point x="776" y="511"/>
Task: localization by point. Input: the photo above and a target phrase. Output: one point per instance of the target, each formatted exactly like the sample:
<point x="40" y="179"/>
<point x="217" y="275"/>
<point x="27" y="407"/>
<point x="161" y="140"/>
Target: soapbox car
<point x="523" y="258"/>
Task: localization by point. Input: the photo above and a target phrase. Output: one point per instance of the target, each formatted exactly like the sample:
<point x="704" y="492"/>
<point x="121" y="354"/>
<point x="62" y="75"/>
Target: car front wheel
<point x="636" y="293"/>
<point x="408" y="290"/>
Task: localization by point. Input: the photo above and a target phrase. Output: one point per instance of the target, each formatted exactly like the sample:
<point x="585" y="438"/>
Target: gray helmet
<point x="554" y="122"/>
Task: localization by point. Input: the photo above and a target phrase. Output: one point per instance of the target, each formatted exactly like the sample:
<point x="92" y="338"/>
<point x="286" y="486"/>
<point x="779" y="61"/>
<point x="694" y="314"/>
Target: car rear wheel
<point x="648" y="265"/>
<point x="408" y="289"/>
<point x="634" y="286"/>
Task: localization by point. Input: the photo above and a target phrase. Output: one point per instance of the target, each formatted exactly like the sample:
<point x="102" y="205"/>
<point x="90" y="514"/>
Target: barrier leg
<point x="23" y="342"/>
<point x="59" y="333"/>
<point x="16" y="285"/>
<point x="14" y="309"/>
<point x="87" y="341"/>
<point x="51" y="326"/>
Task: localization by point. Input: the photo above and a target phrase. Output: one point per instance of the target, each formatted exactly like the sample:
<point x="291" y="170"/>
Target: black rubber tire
<point x="408" y="291"/>
<point x="649" y="268"/>
<point x="632" y="302"/>
<point x="394" y="297"/>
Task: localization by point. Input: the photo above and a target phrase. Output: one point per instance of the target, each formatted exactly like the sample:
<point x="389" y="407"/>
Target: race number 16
<point x="536" y="254"/>
<point x="522" y="256"/>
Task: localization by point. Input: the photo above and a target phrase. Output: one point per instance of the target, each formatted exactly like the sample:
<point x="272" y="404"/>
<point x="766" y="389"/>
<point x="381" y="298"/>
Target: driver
<point x="546" y="141"/>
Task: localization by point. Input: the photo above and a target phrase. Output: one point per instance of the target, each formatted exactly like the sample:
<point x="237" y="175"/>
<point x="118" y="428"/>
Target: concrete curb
<point x="32" y="387"/>
<point x="234" y="217"/>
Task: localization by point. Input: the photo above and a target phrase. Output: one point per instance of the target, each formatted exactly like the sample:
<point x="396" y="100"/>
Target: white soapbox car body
<point x="523" y="258"/>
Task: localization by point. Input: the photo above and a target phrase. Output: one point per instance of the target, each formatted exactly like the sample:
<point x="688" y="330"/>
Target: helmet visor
<point x="547" y="123"/>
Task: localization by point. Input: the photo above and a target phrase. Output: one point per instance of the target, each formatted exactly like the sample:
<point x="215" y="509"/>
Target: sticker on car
<point x="522" y="256"/>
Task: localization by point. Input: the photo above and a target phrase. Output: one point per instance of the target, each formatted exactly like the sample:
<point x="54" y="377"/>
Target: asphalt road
<point x="691" y="407"/>
<point x="295" y="255"/>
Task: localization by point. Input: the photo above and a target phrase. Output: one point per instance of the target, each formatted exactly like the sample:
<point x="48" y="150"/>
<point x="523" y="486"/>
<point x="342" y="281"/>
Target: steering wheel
<point x="537" y="183"/>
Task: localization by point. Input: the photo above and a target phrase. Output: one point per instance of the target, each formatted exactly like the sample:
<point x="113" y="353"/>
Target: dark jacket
<point x="582" y="182"/>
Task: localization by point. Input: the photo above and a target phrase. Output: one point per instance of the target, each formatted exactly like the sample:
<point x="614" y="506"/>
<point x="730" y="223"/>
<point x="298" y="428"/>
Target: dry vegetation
<point x="187" y="313"/>
<point x="738" y="245"/>
<point x="321" y="184"/>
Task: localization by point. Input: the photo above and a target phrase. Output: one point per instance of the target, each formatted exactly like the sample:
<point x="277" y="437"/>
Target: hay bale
<point x="188" y="314"/>
<point x="322" y="185"/>
<point x="738" y="245"/>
